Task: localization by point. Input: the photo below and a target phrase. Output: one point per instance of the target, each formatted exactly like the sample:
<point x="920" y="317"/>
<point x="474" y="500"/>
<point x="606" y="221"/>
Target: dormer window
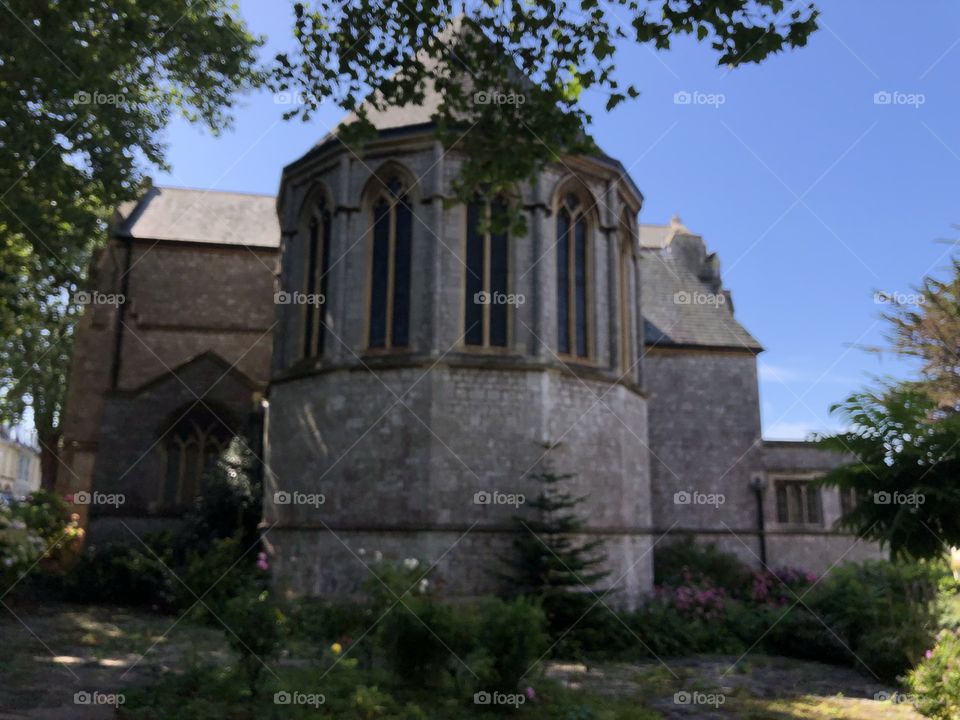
<point x="573" y="278"/>
<point x="487" y="270"/>
<point x="389" y="318"/>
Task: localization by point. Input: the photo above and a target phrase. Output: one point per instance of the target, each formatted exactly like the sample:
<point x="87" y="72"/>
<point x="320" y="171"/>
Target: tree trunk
<point x="49" y="459"/>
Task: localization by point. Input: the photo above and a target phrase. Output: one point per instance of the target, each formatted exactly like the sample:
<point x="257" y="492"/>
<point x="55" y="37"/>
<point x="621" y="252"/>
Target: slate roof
<point x="201" y="216"/>
<point x="676" y="296"/>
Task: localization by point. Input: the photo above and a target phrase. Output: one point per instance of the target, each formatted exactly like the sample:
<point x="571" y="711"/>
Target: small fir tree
<point x="552" y="562"/>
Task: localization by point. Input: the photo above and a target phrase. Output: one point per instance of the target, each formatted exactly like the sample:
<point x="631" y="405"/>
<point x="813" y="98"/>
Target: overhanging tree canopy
<point x="86" y="88"/>
<point x="509" y="72"/>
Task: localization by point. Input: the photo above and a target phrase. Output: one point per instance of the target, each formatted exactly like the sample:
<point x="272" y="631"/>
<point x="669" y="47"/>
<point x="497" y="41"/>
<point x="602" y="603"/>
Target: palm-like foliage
<point x="904" y="469"/>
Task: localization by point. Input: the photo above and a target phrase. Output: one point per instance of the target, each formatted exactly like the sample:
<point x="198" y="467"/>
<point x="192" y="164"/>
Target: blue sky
<point x="813" y="194"/>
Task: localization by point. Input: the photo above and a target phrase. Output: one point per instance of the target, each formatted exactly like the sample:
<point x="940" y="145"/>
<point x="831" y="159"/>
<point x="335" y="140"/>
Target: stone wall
<point x="438" y="256"/>
<point x="90" y="378"/>
<point x="704" y="436"/>
<point x="399" y="442"/>
<point x="195" y="323"/>
<point x="401" y="476"/>
<point x="186" y="299"/>
<point x="813" y="548"/>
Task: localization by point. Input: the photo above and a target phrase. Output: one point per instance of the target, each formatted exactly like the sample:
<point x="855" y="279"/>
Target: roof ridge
<point x="215" y="190"/>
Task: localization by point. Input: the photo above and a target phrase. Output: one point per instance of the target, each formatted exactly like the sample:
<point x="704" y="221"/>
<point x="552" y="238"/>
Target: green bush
<point x="797" y="632"/>
<point x="458" y="649"/>
<point x="121" y="574"/>
<point x="255" y="630"/>
<point x="936" y="680"/>
<point x="883" y="612"/>
<point x="45" y="513"/>
<point x="414" y="638"/>
<point x="513" y="636"/>
<point x="20" y="547"/>
<point x="319" y="624"/>
<point x="212" y="551"/>
<point x="686" y="560"/>
<point x="230" y="503"/>
<point x="212" y="577"/>
<point x="488" y="647"/>
<point x="35" y="534"/>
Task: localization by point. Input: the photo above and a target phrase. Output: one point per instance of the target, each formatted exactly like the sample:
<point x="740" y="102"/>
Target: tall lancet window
<point x="623" y="283"/>
<point x="485" y="303"/>
<point x="315" y="281"/>
<point x="192" y="448"/>
<point x="573" y="278"/>
<point x="389" y="321"/>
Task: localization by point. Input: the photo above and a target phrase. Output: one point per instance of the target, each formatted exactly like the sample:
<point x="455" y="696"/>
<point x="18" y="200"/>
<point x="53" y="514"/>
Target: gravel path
<point x="51" y="652"/>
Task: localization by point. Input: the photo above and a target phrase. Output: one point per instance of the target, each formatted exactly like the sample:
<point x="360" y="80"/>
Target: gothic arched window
<point x="389" y="320"/>
<point x="315" y="281"/>
<point x="485" y="303"/>
<point x="192" y="448"/>
<point x="623" y="282"/>
<point x="573" y="278"/>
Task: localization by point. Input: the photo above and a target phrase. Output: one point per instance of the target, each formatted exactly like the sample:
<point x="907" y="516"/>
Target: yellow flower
<point x="336" y="648"/>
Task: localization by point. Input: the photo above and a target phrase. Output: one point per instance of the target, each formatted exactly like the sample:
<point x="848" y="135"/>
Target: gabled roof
<point x="682" y="300"/>
<point x="393" y="117"/>
<point x="201" y="216"/>
<point x="190" y="366"/>
<point x="657" y="237"/>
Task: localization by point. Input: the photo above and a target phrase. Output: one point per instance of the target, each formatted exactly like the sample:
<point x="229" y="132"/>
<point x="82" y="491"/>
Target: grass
<point x="188" y="673"/>
<point x="823" y="708"/>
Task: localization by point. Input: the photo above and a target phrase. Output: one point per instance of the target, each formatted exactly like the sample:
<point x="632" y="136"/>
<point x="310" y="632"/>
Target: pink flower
<point x="928" y="654"/>
<point x="530" y="693"/>
<point x="262" y="561"/>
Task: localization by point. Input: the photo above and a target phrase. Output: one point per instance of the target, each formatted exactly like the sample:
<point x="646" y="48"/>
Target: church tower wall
<point x="395" y="448"/>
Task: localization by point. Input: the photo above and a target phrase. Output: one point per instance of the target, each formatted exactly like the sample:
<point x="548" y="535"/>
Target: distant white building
<point x="19" y="465"/>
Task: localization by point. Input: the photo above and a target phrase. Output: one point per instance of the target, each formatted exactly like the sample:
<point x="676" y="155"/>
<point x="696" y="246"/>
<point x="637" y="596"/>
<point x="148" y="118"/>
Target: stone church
<point x="405" y="373"/>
